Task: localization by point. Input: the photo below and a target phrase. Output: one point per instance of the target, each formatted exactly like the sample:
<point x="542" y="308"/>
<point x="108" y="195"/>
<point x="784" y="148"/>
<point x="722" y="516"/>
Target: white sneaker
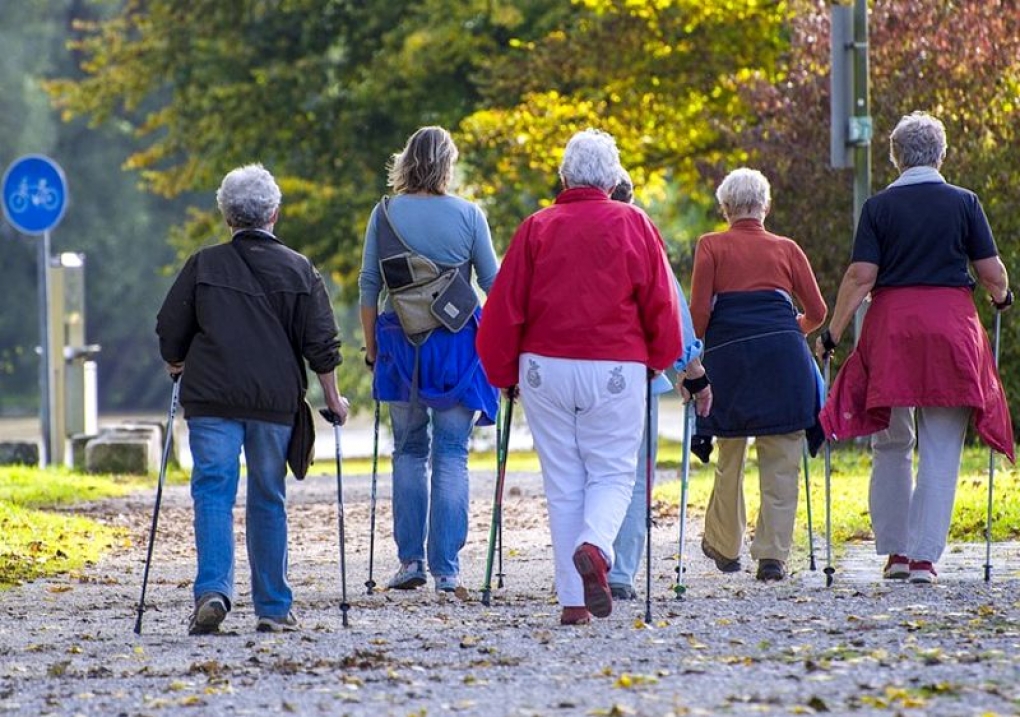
<point x="288" y="623"/>
<point x="922" y="572"/>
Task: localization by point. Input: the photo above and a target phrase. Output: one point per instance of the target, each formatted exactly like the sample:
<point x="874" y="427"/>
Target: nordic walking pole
<point x="335" y="420"/>
<point x="499" y="527"/>
<point x="174" y="396"/>
<point x="807" y="497"/>
<point x="829" y="570"/>
<point x="649" y="475"/>
<point x="370" y="583"/>
<point x="497" y="501"/>
<point x="991" y="466"/>
<point x="685" y="474"/>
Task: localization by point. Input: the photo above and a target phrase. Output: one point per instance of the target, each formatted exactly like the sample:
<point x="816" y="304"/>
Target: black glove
<point x="828" y="343"/>
<point x="701" y="446"/>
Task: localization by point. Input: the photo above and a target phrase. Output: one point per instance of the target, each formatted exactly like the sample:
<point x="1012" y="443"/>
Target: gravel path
<point x="732" y="646"/>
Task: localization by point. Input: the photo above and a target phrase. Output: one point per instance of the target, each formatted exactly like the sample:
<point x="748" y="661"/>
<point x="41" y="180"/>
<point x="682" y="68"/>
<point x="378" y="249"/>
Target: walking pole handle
<point x="330" y="416"/>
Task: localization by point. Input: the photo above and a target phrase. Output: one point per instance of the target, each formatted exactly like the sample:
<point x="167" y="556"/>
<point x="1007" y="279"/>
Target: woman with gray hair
<point x="418" y="245"/>
<point x="923" y="367"/>
<point x="583" y="306"/>
<point x="746" y="288"/>
<point x="246" y="316"/>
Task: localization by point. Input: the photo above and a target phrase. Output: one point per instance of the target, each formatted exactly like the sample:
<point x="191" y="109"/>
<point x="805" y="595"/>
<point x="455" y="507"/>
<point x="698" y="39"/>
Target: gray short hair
<point x="919" y="140"/>
<point x="744" y="193"/>
<point x="425" y="164"/>
<point x="248" y="197"/>
<point x="591" y="159"/>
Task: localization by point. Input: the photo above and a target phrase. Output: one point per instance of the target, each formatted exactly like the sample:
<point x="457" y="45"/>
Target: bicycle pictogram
<point x="40" y="194"/>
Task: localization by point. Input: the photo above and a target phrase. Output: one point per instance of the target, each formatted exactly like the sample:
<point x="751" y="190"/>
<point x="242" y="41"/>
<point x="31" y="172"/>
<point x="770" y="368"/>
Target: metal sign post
<point x="34" y="201"/>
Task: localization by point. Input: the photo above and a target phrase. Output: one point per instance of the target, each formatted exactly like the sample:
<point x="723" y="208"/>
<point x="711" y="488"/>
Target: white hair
<point x="591" y="159"/>
<point x="919" y="140"/>
<point x="744" y="193"/>
<point x="248" y="197"/>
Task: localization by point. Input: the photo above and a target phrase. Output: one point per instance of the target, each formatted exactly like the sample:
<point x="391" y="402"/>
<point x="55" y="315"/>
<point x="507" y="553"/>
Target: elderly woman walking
<point x="745" y="290"/>
<point x="583" y="306"/>
<point x="922" y="368"/>
<point x="422" y="246"/>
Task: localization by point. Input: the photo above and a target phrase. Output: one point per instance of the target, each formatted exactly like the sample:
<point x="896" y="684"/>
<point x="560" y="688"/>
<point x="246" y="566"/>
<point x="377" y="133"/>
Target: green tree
<point x="321" y="91"/>
<point x="662" y="77"/>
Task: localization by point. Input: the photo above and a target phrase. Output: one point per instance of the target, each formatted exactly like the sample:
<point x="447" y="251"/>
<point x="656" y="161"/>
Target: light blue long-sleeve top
<point x="445" y="228"/>
<point x="692" y="346"/>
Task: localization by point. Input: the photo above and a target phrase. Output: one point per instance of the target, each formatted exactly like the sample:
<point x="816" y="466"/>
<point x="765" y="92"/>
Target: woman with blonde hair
<point x="422" y="246"/>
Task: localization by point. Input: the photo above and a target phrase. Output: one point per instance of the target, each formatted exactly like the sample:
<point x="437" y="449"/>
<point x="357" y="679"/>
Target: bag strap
<point x="295" y="349"/>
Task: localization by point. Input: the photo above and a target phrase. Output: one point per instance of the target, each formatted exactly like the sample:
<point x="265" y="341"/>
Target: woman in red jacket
<point x="583" y="306"/>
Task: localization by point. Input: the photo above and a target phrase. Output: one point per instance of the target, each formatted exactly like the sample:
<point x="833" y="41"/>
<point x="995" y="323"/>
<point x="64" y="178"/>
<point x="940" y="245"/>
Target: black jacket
<point x="244" y="339"/>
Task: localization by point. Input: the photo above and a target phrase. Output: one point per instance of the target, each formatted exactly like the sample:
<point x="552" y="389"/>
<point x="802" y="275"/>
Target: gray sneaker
<point x="410" y="576"/>
<point x="287" y="623"/>
<point x="447" y="583"/>
<point x="210" y="609"/>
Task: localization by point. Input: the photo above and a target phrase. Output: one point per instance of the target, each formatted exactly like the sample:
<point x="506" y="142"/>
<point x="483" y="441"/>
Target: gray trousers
<point x="911" y="517"/>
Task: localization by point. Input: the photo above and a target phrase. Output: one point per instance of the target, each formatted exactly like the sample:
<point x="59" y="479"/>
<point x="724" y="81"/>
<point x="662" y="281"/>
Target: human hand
<point x="1006" y="302"/>
<point x="337" y="412"/>
<point x="825" y="344"/>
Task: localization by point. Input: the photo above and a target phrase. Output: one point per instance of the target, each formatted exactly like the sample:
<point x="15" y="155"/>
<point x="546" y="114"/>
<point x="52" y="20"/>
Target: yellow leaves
<point x="628" y="681"/>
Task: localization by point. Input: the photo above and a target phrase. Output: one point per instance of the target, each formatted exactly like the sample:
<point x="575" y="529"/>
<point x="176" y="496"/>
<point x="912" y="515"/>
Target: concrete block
<point x="15" y="453"/>
<point x="79" y="442"/>
<point x="134" y="449"/>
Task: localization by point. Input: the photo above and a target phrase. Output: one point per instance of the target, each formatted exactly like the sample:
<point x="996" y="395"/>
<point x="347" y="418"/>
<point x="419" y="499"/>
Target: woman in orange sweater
<point x="745" y="290"/>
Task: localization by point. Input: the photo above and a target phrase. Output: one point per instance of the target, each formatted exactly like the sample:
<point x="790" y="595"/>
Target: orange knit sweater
<point x="748" y="258"/>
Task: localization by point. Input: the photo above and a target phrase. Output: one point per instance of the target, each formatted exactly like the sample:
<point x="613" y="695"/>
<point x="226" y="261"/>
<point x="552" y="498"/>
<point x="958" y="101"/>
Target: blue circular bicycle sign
<point x="34" y="194"/>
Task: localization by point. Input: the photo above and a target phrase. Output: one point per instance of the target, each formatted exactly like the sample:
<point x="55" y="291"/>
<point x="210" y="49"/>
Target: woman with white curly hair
<point x="753" y="298"/>
<point x="583" y="306"/>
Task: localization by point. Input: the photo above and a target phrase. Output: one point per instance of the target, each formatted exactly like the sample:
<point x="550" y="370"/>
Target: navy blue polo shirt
<point x="923" y="235"/>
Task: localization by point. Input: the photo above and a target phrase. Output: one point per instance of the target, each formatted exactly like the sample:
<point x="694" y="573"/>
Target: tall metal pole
<point x="861" y="127"/>
<point x="43" y="261"/>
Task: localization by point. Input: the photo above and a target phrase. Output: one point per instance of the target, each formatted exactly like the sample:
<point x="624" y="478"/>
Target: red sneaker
<point x="922" y="572"/>
<point x="896" y="568"/>
<point x="595" y="575"/>
<point x="575" y="616"/>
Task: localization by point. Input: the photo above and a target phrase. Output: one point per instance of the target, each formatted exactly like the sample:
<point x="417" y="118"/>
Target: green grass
<point x="39" y="536"/>
<point x="849" y="495"/>
<point x="35" y="539"/>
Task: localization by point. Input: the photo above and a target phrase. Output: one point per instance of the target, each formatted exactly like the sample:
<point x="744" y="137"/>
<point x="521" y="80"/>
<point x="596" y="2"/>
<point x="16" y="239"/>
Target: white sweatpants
<point x="907" y="518"/>
<point x="587" y="418"/>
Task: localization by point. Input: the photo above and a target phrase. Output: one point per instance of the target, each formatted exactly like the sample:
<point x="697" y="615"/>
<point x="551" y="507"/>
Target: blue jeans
<point x="424" y="437"/>
<point x="629" y="545"/>
<point x="216" y="445"/>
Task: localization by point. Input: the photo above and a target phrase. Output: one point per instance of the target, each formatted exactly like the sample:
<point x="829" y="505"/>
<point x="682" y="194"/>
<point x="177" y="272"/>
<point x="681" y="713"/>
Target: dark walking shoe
<point x="769" y="569"/>
<point x="595" y="575"/>
<point x="724" y="564"/>
<point x="210" y="609"/>
<point x="619" y="591"/>
<point x="575" y="616"/>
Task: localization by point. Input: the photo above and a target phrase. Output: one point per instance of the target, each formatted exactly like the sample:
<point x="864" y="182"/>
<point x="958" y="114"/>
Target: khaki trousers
<point x="779" y="479"/>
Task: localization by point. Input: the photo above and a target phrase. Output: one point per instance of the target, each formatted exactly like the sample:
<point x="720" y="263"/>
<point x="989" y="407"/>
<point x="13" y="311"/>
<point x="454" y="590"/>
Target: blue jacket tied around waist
<point x="763" y="375"/>
<point x="449" y="372"/>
